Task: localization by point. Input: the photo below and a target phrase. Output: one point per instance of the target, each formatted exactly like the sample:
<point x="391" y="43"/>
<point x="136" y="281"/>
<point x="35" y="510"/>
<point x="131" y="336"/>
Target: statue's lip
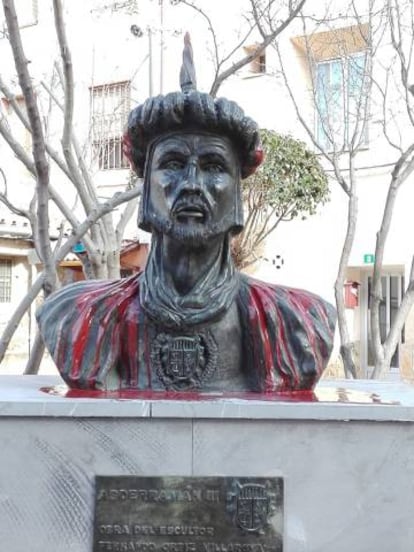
<point x="198" y="213"/>
<point x="191" y="210"/>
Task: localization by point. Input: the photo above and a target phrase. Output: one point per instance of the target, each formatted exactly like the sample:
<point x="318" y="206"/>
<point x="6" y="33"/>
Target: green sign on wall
<point x="369" y="258"/>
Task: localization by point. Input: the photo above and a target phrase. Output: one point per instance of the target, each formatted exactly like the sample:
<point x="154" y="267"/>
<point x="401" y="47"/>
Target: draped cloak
<point x="95" y="327"/>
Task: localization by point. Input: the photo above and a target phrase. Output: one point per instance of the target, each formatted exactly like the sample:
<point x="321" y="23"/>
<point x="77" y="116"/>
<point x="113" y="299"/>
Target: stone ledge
<point x="339" y="400"/>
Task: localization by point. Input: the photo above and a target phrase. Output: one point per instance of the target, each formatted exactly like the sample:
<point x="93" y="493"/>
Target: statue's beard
<point x="189" y="233"/>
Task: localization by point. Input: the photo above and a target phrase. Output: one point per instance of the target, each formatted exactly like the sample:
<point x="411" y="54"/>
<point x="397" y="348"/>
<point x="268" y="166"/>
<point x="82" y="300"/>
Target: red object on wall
<point x="351" y="294"/>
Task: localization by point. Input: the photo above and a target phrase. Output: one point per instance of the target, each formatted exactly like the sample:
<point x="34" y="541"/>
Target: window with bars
<point x="341" y="102"/>
<point x="5" y="280"/>
<point x="110" y="106"/>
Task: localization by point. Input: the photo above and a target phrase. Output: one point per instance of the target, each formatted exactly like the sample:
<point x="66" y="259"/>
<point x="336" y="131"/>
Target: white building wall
<point x="22" y="274"/>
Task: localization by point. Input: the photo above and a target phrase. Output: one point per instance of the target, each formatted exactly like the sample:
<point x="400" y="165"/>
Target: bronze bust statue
<point x="189" y="320"/>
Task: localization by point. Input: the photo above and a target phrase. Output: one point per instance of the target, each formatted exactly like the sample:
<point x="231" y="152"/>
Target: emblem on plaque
<point x="184" y="361"/>
<point x="251" y="506"/>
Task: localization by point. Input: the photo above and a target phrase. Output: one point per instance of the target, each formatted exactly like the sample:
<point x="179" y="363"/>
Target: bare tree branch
<point x="125" y="217"/>
<point x="39" y="152"/>
<point x="4" y="199"/>
<point x="331" y="157"/>
<point x="210" y="29"/>
<point x="396" y="33"/>
<point x="398" y="176"/>
<point x="58" y="256"/>
<point x="17" y="149"/>
<point x="18" y="314"/>
<point x="85" y="186"/>
<point x="248" y="58"/>
<point x="21" y="154"/>
<point x="97" y="212"/>
<point x="79" y="155"/>
<point x="68" y="107"/>
<point x="21" y="115"/>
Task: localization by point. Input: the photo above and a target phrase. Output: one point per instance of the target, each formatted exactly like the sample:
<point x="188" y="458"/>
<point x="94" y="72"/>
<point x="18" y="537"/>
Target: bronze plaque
<point x="188" y="514"/>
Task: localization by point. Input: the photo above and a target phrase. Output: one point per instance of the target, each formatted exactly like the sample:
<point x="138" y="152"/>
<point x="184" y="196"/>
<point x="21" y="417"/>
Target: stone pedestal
<point x="348" y="466"/>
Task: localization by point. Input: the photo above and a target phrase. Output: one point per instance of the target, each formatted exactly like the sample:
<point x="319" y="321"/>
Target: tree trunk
<point x="381" y="367"/>
<point x="87" y="267"/>
<point x="18" y="314"/>
<point x="36" y="356"/>
<point x="113" y="261"/>
<point x="346" y="343"/>
<point x="347" y="354"/>
<point x="38" y="146"/>
<point x="346" y="349"/>
<point x="112" y="248"/>
<point x="100" y="267"/>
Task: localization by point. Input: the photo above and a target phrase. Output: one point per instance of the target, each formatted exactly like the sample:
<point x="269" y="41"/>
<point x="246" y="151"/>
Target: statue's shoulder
<point x="290" y="301"/>
<point x="92" y="299"/>
<point x="288" y="334"/>
<point x="79" y="324"/>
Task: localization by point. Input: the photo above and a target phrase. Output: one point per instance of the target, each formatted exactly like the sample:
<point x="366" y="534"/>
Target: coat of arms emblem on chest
<point x="184" y="361"/>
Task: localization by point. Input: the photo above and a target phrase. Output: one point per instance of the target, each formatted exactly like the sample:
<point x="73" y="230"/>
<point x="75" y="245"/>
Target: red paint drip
<point x="324" y="395"/>
<point x="269" y="380"/>
<point x="135" y="394"/>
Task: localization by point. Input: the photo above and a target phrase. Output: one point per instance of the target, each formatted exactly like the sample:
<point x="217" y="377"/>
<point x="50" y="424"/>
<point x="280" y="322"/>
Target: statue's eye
<point x="214" y="168"/>
<point x="173" y="165"/>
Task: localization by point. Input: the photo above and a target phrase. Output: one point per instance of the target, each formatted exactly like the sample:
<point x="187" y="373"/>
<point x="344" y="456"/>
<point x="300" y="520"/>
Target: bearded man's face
<point x="193" y="187"/>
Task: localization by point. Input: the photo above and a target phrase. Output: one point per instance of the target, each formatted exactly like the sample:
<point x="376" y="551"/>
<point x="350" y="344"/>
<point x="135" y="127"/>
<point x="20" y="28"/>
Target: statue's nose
<point x="192" y="180"/>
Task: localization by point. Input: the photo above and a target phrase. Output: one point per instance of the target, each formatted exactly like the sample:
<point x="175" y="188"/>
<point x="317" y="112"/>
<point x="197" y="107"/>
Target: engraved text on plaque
<point x="188" y="514"/>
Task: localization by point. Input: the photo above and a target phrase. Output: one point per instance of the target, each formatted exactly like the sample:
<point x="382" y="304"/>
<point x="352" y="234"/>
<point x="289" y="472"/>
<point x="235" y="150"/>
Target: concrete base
<point x="348" y="467"/>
